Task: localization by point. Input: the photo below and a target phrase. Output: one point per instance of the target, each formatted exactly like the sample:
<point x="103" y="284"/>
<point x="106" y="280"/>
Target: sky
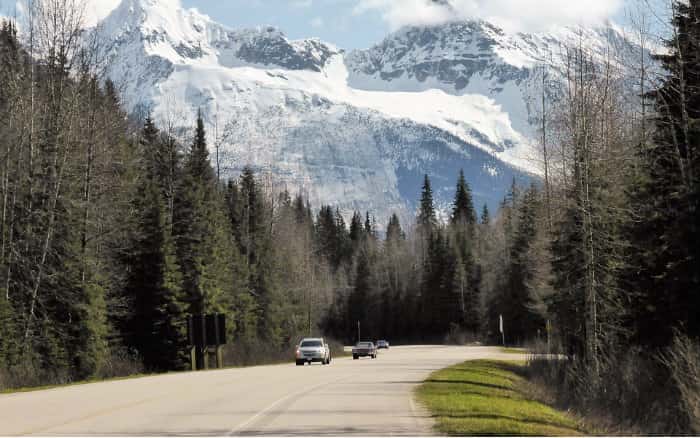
<point x="351" y="24"/>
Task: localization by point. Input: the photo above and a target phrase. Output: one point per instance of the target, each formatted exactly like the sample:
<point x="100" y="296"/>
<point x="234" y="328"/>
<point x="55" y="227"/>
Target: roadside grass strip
<point x="485" y="397"/>
<point x="512" y="350"/>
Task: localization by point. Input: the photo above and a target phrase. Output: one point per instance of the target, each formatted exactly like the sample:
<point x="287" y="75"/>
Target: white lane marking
<point x="252" y="419"/>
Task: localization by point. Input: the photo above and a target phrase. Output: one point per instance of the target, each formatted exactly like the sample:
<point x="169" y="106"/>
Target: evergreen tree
<point x="665" y="243"/>
<point x="485" y="216"/>
<point x="523" y="321"/>
<point x="394" y="233"/>
<point x="439" y="303"/>
<point x="203" y="234"/>
<point x="369" y="226"/>
<point x="154" y="283"/>
<point x="359" y="300"/>
<point x="356" y="231"/>
<point x="427" y="220"/>
<point x="463" y="206"/>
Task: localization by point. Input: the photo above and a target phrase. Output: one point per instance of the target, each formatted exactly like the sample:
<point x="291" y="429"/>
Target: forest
<point x="113" y="230"/>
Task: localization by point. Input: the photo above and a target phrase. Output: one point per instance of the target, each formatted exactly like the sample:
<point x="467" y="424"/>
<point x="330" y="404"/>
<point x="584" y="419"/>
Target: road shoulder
<point x="488" y="397"/>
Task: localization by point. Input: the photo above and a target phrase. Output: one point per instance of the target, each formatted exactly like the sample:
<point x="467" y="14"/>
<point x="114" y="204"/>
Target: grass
<point x="76" y="383"/>
<point x="88" y="381"/>
<point x="490" y="398"/>
<point x="513" y="350"/>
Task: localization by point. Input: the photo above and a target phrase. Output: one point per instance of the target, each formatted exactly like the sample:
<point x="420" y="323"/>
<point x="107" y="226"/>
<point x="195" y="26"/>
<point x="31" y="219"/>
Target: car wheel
<point x="300" y="363"/>
<point x="354" y="357"/>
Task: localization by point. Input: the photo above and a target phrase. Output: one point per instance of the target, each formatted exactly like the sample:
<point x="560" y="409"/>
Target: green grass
<point x="512" y="350"/>
<point x="490" y="398"/>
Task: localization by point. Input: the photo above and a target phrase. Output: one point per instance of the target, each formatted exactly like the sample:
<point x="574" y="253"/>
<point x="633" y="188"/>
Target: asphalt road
<point x="361" y="397"/>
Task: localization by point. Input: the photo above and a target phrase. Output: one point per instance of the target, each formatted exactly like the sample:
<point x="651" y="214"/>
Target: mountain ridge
<point x="353" y="129"/>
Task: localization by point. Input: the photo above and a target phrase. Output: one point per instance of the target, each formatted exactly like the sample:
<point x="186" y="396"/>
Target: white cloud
<point x="513" y="15"/>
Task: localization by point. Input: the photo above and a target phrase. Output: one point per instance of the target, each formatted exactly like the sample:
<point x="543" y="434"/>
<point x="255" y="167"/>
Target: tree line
<point x="611" y="268"/>
<point x="113" y="231"/>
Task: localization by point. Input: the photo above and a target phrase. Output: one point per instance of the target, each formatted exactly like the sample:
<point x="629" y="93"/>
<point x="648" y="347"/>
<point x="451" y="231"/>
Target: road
<point x="361" y="397"/>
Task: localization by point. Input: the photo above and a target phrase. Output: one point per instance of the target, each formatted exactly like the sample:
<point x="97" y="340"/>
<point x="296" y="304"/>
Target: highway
<point x="356" y="397"/>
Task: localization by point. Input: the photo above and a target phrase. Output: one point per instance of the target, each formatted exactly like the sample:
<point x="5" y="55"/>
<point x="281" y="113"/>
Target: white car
<point x="313" y="350"/>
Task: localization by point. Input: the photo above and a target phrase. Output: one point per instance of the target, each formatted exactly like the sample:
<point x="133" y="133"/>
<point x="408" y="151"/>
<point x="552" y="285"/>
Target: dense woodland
<point x="113" y="229"/>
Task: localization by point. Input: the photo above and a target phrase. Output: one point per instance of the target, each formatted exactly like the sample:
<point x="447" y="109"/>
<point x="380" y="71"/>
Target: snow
<point x="353" y="129"/>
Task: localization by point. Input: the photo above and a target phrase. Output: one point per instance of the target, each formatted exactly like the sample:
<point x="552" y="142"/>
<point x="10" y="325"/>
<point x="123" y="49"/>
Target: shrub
<point x="629" y="392"/>
<point x="682" y="359"/>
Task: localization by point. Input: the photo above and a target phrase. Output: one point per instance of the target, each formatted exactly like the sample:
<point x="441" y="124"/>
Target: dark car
<point x="382" y="344"/>
<point x="364" y="349"/>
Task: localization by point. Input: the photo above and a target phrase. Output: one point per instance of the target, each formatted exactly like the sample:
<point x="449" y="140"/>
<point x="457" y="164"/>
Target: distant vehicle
<point x="364" y="349"/>
<point x="313" y="350"/>
<point x="382" y="344"/>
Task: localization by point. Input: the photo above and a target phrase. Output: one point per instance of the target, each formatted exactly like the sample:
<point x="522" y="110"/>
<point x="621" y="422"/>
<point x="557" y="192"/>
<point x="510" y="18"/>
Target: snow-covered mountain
<point x="357" y="130"/>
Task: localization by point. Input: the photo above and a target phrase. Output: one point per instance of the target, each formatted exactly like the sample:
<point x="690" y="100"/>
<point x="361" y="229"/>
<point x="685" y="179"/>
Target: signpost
<point x="206" y="335"/>
<point x="500" y="329"/>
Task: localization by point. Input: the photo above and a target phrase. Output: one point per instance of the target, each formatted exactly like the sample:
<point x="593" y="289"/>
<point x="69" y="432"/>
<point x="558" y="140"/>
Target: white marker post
<point x="500" y="328"/>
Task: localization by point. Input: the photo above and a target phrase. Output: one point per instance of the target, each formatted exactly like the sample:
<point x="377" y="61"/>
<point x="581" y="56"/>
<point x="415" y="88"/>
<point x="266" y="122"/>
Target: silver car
<point x="313" y="350"/>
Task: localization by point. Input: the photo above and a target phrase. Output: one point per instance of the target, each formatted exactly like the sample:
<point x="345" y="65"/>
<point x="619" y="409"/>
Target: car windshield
<point x="381" y="342"/>
<point x="311" y="344"/>
<point x="364" y="344"/>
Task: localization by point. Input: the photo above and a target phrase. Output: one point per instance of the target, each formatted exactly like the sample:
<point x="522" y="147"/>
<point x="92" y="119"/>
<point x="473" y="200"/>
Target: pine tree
<point x="463" y="206"/>
<point x="515" y="299"/>
<point x="394" y="233"/>
<point x="356" y="231"/>
<point x="203" y="235"/>
<point x="463" y="279"/>
<point x="154" y="283"/>
<point x="359" y="300"/>
<point x="485" y="216"/>
<point x="665" y="245"/>
<point x="427" y="219"/>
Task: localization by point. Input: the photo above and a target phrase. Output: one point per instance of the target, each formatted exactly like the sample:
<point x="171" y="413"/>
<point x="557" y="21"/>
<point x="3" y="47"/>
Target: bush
<point x="27" y="375"/>
<point x="121" y="363"/>
<point x="683" y="361"/>
<point x="459" y="336"/>
<point x="629" y="392"/>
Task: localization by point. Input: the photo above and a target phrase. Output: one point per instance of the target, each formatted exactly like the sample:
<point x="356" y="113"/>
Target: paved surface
<point x="361" y="397"/>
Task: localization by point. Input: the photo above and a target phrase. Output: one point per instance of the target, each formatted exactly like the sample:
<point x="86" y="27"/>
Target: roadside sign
<point x="500" y="328"/>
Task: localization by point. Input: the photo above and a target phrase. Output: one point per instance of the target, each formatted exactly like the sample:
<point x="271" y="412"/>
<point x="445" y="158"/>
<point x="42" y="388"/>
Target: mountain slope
<point x="355" y="130"/>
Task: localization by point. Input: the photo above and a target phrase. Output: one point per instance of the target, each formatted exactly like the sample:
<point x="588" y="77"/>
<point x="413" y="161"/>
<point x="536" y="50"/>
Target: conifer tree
<point x="203" y="236"/>
<point x="463" y="206"/>
<point x="356" y="230"/>
<point x="485" y="216"/>
<point x="665" y="244"/>
<point x="394" y="233"/>
<point x="427" y="219"/>
<point x="518" y="310"/>
<point x="154" y="283"/>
